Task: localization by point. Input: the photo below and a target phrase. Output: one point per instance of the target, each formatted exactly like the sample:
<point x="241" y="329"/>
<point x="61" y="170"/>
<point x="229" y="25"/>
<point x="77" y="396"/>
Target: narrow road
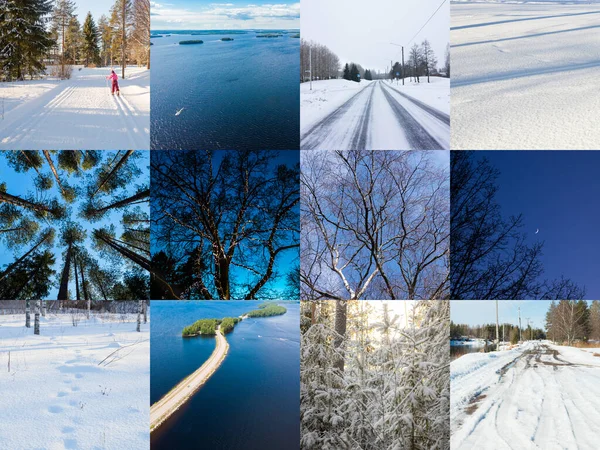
<point x="380" y="117"/>
<point x="81" y="113"/>
<point x="541" y="399"/>
<point x="166" y="406"/>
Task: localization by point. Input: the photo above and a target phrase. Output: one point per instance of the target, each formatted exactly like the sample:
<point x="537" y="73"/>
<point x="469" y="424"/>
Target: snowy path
<point x="379" y="117"/>
<point x="78" y="113"/>
<point x="539" y="396"/>
<point x="79" y="387"/>
<point x="166" y="406"/>
<point x="525" y="76"/>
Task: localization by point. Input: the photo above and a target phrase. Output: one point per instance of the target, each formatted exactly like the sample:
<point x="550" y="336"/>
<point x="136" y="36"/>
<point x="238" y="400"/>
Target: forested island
<point x="208" y="327"/>
<point x="192" y="42"/>
<point x="227" y="39"/>
<point x="269" y="35"/>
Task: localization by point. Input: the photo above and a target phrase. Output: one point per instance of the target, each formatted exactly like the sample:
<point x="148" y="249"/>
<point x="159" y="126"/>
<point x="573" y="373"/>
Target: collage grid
<point x="330" y="225"/>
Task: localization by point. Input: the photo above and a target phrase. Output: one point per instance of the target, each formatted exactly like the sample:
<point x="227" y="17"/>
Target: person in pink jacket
<point x="115" y="82"/>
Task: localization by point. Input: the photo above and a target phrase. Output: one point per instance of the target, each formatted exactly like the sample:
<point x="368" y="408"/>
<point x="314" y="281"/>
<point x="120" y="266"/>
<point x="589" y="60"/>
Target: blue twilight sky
<point x="21" y="184"/>
<point x="286" y="260"/>
<point x="480" y="312"/>
<point x="232" y="15"/>
<point x="558" y="193"/>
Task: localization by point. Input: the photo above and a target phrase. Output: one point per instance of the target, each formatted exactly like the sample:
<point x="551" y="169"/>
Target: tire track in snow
<point x="314" y="137"/>
<point x="443" y="117"/>
<point x="359" y="142"/>
<point x="417" y="136"/>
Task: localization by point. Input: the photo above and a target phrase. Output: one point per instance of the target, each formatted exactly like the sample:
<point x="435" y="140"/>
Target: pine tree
<point x="63" y="11"/>
<point x="91" y="49"/>
<point x="121" y="22"/>
<point x="354" y="73"/>
<point x="73" y="41"/>
<point x="24" y="39"/>
<point x="346" y="72"/>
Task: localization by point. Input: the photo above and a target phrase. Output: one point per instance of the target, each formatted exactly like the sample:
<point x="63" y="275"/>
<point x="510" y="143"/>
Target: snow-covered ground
<point x="77" y="113"/>
<point x="525" y="76"/>
<point x="83" y="387"/>
<point x="535" y="396"/>
<point x="376" y="115"/>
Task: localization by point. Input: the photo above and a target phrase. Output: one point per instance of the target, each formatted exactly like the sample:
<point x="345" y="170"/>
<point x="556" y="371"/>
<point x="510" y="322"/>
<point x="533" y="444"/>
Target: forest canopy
<point x="74" y="225"/>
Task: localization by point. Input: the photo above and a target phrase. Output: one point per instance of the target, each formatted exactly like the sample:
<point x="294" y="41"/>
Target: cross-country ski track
<point x="78" y="113"/>
<point x="380" y="117"/>
<point x="537" y="396"/>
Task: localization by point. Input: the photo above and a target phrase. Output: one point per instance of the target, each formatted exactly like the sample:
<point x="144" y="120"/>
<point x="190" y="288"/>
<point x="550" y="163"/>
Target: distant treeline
<point x="267" y="310"/>
<point x="508" y="332"/>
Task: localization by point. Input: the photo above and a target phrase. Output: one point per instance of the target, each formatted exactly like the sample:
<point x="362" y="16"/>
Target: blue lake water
<point x="252" y="401"/>
<point x="242" y="94"/>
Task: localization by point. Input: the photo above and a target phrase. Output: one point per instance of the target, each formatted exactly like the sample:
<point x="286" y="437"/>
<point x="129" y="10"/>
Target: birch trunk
<point x="36" y="326"/>
<point x="28" y="313"/>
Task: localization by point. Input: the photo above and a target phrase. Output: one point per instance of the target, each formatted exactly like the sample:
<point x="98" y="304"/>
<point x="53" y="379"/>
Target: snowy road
<point x="379" y="117"/>
<point x="539" y="396"/>
<point x="77" y="113"/>
<point x="525" y="76"/>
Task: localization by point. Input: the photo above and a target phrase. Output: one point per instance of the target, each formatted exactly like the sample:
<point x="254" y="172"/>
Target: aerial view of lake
<point x="225" y="94"/>
<point x="252" y="401"/>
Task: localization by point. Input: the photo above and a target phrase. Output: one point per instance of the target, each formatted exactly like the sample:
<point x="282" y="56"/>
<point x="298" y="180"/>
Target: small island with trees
<point x="191" y="42"/>
<point x="208" y="327"/>
<point x="269" y="35"/>
<point x="227" y="39"/>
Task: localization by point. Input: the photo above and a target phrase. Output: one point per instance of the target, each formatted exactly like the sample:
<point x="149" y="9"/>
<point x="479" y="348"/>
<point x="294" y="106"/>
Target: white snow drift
<point x="525" y="76"/>
<point x="82" y="387"/>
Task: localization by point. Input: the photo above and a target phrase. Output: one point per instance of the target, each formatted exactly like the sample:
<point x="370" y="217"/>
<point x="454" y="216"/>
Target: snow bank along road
<point x="162" y="409"/>
<point x="525" y="76"/>
<point x="77" y="113"/>
<point x="380" y="117"/>
<point x="79" y="387"/>
<point x="537" y="396"/>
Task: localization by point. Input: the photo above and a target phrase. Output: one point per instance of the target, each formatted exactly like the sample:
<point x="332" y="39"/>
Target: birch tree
<point x="375" y="224"/>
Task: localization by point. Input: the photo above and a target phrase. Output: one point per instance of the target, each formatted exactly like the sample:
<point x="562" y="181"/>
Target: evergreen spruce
<point x="91" y="49"/>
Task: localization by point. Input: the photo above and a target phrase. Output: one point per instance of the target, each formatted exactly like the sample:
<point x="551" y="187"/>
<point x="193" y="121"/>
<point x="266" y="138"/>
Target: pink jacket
<point x="113" y="76"/>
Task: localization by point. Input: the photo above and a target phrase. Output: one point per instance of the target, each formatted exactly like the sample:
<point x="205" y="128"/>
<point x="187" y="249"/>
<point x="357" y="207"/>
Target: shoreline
<point x="186" y="388"/>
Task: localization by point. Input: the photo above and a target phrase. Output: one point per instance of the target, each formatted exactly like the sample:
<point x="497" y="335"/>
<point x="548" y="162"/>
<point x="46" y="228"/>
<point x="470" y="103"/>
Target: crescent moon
<point x="537" y="231"/>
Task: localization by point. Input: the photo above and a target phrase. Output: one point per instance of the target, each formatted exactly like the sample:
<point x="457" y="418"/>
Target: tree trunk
<point x="28" y="313"/>
<point x="340" y="328"/>
<point x="126" y="201"/>
<point x="76" y="280"/>
<point x="54" y="171"/>
<point x="36" y="326"/>
<point x="43" y="308"/>
<point x="145" y="311"/>
<point x="313" y="312"/>
<point x="113" y="171"/>
<point x="18" y="201"/>
<point x="140" y="307"/>
<point x="123" y="41"/>
<point x="63" y="292"/>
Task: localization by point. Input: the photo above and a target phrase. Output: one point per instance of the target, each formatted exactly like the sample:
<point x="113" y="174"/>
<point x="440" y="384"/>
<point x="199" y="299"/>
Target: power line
<point x="430" y="17"/>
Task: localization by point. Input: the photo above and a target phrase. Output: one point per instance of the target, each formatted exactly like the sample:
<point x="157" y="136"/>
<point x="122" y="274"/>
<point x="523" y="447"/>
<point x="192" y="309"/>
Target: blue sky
<point x="286" y="260"/>
<point x="21" y="184"/>
<point x="479" y="312"/>
<point x="557" y="192"/>
<point x="97" y="8"/>
<point x="232" y="15"/>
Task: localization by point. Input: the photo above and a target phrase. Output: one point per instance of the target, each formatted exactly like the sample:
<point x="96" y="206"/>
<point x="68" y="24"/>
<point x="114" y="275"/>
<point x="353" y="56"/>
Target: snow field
<point x="77" y="113"/>
<point x="536" y="396"/>
<point x="525" y="76"/>
<point x="82" y="387"/>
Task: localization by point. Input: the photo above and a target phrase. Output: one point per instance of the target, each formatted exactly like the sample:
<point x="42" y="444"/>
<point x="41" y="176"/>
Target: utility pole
<point x="497" y="332"/>
<point x="520" y="324"/>
<point x="391" y="71"/>
<point x="403" y="65"/>
<point x="503" y="337"/>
